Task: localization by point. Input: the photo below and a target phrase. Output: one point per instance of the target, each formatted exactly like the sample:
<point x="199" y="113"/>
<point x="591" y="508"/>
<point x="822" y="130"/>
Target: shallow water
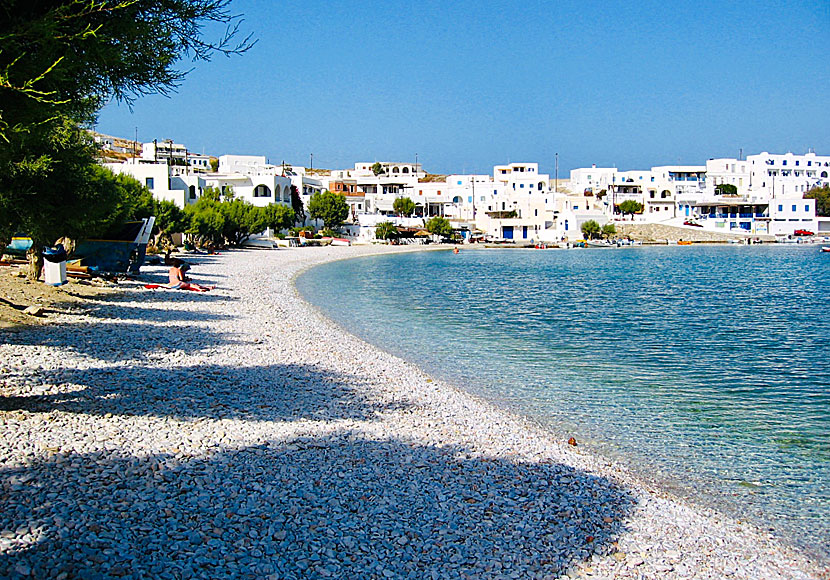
<point x="707" y="368"/>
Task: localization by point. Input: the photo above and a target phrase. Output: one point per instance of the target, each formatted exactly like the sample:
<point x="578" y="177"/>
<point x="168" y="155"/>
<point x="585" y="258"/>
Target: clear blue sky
<point x="467" y="85"/>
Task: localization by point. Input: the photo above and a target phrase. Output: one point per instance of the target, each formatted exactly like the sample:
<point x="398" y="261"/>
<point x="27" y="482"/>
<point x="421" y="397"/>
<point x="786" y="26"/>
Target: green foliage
<point x="207" y="222"/>
<point x="439" y="226"/>
<point x="590" y="229"/>
<point x="214" y="164"/>
<point x="326" y="233"/>
<point x="241" y="220"/>
<point x="170" y="219"/>
<point x="822" y="197"/>
<point x="726" y="189"/>
<point x="403" y="206"/>
<point x="211" y="193"/>
<point x="278" y="216"/>
<point x="68" y="57"/>
<point x="630" y="206"/>
<point x="231" y="222"/>
<point x="49" y="188"/>
<point x="377" y="168"/>
<point x="59" y="62"/>
<point x="386" y="231"/>
<point x="609" y="230"/>
<point x="329" y="207"/>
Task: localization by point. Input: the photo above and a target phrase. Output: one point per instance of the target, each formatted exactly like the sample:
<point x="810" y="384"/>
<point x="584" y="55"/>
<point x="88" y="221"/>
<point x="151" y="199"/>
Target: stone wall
<point x="662" y="232"/>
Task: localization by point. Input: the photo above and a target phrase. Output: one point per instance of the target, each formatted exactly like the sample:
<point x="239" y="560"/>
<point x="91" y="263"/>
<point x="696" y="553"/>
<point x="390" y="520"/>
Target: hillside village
<point x="761" y="196"/>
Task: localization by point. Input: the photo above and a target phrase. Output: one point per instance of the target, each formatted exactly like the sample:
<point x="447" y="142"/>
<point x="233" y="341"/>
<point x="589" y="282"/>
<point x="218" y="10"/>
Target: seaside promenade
<point x="239" y="434"/>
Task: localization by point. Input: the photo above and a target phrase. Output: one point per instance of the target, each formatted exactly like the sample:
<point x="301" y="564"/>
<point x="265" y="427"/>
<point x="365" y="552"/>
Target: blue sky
<point x="466" y="85"/>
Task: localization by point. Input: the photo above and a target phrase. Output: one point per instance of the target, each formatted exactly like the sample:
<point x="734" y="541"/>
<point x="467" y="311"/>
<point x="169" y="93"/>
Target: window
<point x="796" y="163"/>
<point x="459" y="182"/>
<point x="535" y="212"/>
<point x="149" y="182"/>
<point x="780" y="208"/>
<point x="784" y="162"/>
<point x="192" y="192"/>
<point x="807" y="208"/>
<point x="522" y="185"/>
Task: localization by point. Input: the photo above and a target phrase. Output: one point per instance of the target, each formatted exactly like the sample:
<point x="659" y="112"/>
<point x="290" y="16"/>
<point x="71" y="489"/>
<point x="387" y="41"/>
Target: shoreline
<point x="241" y="432"/>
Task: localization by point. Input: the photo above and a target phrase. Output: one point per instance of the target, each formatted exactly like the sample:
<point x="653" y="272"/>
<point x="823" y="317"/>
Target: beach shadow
<point x="274" y="392"/>
<point x="122" y="340"/>
<point x="338" y="506"/>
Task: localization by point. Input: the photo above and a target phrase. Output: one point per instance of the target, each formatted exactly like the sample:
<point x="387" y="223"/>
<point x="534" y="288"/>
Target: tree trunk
<point x="35" y="261"/>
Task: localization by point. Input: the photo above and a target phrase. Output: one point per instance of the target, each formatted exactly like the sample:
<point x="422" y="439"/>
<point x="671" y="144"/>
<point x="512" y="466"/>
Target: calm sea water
<point x="707" y="368"/>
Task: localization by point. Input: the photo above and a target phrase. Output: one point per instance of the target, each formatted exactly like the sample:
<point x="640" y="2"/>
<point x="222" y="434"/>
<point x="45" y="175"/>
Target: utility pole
<point x="556" y="174"/>
<point x="312" y="161"/>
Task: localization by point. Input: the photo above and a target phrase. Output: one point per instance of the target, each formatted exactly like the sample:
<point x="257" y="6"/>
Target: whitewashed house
<point x="251" y="178"/>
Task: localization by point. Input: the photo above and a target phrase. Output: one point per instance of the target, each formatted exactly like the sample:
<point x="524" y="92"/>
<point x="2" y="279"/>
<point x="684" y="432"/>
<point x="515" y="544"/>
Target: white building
<point x="251" y="178"/>
<point x="166" y="182"/>
<point x="174" y="154"/>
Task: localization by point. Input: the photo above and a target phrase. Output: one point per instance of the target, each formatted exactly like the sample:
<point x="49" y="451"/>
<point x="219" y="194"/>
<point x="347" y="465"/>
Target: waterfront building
<point x="591" y="180"/>
<point x="251" y="178"/>
<point x="787" y="175"/>
<point x="166" y="182"/>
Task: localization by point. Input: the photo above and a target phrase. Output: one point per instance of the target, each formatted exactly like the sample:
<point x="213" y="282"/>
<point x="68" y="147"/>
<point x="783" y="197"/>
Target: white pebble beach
<point x="238" y="433"/>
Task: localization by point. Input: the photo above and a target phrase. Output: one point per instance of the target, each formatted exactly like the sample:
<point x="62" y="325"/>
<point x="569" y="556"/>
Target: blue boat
<point x="120" y="251"/>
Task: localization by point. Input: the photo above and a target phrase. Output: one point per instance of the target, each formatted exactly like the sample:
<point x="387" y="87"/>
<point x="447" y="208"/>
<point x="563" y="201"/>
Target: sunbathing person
<point x="179" y="282"/>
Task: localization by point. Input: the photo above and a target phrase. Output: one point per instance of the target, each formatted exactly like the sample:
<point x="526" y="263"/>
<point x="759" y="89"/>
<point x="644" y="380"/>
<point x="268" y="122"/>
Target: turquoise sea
<point x="706" y="368"/>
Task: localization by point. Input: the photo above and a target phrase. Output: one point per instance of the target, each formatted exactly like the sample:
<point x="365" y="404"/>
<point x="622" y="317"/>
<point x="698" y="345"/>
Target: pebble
<point x="238" y="434"/>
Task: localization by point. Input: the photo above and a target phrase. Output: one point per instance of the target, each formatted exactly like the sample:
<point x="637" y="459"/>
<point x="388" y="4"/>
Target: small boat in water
<point x="599" y="244"/>
<point x="825" y="249"/>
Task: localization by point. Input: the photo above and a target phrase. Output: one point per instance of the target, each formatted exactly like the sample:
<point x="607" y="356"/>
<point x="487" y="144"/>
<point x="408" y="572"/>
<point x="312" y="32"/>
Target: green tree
<point x="726" y="189"/>
<point x="403" y="206"/>
<point x="439" y="226"/>
<point x="242" y="219"/>
<point x="278" y="217"/>
<point x="608" y="230"/>
<point x="59" y="62"/>
<point x="386" y="231"/>
<point x="377" y="168"/>
<point x="68" y="57"/>
<point x="329" y="207"/>
<point x="52" y="191"/>
<point x="590" y="229"/>
<point x="211" y="193"/>
<point x="631" y="207"/>
<point x="206" y="221"/>
<point x="170" y="219"/>
<point x="822" y="197"/>
<point x="214" y="164"/>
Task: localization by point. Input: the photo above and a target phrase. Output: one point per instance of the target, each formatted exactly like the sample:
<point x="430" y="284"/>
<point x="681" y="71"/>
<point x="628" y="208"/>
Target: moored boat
<point x="599" y="244"/>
